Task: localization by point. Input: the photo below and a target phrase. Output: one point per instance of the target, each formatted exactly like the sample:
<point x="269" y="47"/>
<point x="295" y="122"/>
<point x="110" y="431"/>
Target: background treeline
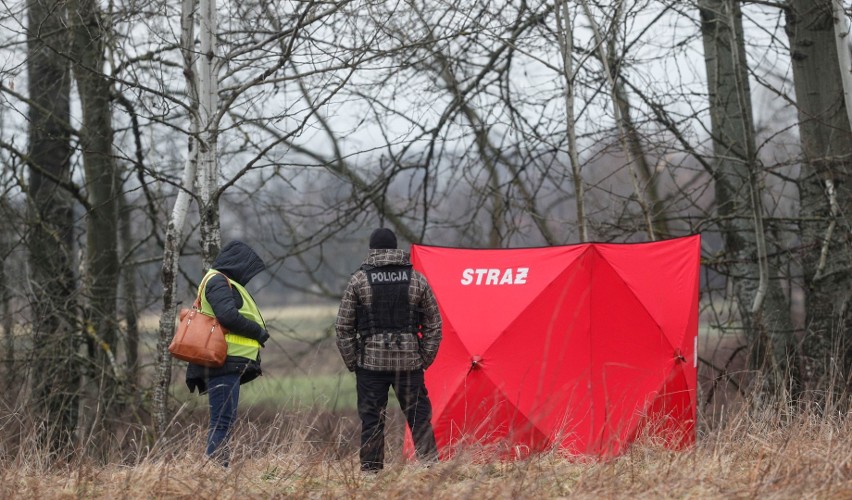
<point x="137" y="136"/>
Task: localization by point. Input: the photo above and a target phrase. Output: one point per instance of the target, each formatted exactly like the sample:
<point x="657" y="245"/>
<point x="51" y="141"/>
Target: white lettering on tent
<point x="494" y="276"/>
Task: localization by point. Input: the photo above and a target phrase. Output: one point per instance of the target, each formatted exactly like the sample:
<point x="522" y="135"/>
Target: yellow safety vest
<point x="238" y="345"/>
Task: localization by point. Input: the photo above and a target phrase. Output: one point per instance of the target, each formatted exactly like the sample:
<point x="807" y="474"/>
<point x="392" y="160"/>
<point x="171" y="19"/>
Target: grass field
<point x="331" y="392"/>
<point x="298" y="434"/>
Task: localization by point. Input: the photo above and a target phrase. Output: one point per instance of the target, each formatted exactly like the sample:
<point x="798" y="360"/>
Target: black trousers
<point x="410" y="390"/>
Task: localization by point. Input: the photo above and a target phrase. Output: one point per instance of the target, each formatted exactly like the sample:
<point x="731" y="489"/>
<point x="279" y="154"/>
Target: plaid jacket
<point x="388" y="351"/>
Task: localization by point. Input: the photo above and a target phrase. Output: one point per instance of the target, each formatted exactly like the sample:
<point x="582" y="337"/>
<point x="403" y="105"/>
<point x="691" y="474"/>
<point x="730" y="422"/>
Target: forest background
<point x="136" y="136"/>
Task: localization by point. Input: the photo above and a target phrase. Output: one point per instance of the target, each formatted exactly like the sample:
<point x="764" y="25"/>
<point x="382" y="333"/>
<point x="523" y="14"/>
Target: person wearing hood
<point x="388" y="331"/>
<point x="224" y="295"/>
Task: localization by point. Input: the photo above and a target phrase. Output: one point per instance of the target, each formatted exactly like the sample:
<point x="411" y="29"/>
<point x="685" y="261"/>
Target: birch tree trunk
<point x="209" y="117"/>
<point x="174" y="230"/>
<point x="201" y="170"/>
<point x="825" y="195"/>
<point x="55" y="368"/>
<point x="169" y="272"/>
<point x="762" y="306"/>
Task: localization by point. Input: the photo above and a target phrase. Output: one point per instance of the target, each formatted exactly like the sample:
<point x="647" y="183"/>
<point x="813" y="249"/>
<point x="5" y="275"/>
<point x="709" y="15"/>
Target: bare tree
<point x="627" y="133"/>
<point x="88" y="52"/>
<point x="55" y="366"/>
<point x="825" y="195"/>
<point x="737" y="174"/>
<point x="565" y="31"/>
<point x="174" y="230"/>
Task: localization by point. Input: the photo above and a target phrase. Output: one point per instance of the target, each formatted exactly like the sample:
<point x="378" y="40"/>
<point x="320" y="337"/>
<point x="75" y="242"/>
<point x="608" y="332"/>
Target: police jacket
<point x="371" y="343"/>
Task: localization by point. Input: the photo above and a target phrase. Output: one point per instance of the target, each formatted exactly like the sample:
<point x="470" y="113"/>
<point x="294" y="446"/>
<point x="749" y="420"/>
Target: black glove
<point x="263" y="337"/>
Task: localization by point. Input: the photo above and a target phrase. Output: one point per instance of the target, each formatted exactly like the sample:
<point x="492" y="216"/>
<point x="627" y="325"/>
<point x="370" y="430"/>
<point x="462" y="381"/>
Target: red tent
<point x="578" y="347"/>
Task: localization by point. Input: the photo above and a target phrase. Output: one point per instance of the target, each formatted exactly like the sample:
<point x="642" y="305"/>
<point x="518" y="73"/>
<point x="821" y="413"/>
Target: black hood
<point x="239" y="262"/>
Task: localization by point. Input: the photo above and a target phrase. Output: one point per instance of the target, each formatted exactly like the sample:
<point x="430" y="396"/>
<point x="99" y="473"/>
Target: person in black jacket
<point x="223" y="295"/>
<point x="388" y="332"/>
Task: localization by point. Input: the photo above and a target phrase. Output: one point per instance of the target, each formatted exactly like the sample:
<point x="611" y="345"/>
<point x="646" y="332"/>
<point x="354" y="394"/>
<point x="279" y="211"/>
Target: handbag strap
<point x="197" y="303"/>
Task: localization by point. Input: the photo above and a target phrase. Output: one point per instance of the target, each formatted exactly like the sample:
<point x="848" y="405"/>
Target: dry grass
<point x="768" y="455"/>
<point x="287" y="452"/>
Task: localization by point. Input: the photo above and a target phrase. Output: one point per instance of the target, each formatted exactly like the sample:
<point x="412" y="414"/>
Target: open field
<point x="298" y="434"/>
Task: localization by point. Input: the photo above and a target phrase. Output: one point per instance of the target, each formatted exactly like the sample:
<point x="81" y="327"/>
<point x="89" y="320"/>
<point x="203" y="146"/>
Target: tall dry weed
<point x="754" y="453"/>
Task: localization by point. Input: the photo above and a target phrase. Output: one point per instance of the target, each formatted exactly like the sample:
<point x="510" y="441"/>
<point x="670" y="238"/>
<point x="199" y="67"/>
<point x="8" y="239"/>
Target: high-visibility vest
<point x="237" y="344"/>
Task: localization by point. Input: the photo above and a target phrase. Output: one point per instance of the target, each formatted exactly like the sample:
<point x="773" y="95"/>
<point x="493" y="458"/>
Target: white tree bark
<point x="171" y="252"/>
<point x="208" y="97"/>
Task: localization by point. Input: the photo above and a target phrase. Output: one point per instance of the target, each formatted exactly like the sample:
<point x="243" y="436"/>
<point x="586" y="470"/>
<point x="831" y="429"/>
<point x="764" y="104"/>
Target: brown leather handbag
<point x="199" y="338"/>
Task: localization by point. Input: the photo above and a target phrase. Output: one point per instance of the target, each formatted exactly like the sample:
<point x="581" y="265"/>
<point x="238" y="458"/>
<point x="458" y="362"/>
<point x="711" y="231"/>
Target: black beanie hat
<point x="382" y="238"/>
